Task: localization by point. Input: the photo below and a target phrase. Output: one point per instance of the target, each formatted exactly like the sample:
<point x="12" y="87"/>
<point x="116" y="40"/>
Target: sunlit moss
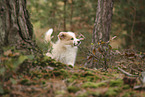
<point x="60" y="92"/>
<point x="94" y="93"/>
<point x="73" y="89"/>
<point x="112" y="92"/>
<point x="118" y="82"/>
<point x="93" y="85"/>
<point x="83" y="94"/>
<point x="126" y="94"/>
<point x="126" y="86"/>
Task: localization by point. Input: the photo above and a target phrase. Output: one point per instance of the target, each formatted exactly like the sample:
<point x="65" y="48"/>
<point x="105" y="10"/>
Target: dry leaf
<point x="94" y="51"/>
<point x="8" y="53"/>
<point x="90" y="57"/>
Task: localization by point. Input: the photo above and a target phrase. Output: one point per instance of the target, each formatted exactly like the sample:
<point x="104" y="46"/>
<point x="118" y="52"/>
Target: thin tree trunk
<point x="101" y="28"/>
<point x="64" y="19"/>
<point x="71" y="15"/>
<point x="15" y="25"/>
<point x="54" y="13"/>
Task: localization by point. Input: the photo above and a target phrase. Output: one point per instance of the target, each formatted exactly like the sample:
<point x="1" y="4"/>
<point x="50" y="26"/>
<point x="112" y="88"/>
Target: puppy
<point x="65" y="49"/>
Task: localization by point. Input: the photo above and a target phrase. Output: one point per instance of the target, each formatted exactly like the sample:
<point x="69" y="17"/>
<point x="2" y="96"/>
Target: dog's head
<point x="69" y="38"/>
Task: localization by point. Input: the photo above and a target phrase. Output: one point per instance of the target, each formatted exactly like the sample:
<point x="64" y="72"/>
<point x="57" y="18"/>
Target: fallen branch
<point x="126" y="73"/>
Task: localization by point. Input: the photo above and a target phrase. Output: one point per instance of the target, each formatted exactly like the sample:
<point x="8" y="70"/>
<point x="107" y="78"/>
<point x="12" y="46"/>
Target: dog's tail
<point x="48" y="36"/>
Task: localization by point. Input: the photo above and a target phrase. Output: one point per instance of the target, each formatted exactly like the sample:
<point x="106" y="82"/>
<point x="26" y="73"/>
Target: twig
<point x="81" y="35"/>
<point x="111" y="39"/>
<point x="126" y="73"/>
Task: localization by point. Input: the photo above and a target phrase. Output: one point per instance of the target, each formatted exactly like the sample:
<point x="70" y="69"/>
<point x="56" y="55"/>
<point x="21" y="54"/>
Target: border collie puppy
<point x="65" y="49"/>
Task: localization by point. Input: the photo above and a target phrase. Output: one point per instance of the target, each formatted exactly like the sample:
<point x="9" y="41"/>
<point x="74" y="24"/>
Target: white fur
<point x="63" y="50"/>
<point x="48" y="35"/>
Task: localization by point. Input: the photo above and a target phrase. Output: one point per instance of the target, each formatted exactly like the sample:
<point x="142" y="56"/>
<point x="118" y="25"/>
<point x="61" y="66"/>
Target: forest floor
<point x="49" y="78"/>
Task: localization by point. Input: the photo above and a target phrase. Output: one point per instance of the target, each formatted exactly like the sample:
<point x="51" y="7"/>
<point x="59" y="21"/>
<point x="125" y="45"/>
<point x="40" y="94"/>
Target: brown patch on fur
<point x="65" y="36"/>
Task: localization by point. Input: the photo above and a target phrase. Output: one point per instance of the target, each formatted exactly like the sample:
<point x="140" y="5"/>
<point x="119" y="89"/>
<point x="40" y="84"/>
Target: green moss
<point x="83" y="94"/>
<point x="117" y="82"/>
<point x="64" y="72"/>
<point x="47" y="76"/>
<point x="76" y="74"/>
<point x="126" y="86"/>
<point x="89" y="85"/>
<point x="73" y="89"/>
<point x="27" y="82"/>
<point x="70" y="80"/>
<point x="107" y="74"/>
<point x="56" y="73"/>
<point x="88" y="76"/>
<point x="92" y="78"/>
<point x="42" y="82"/>
<point x="24" y="81"/>
<point x="94" y="94"/>
<point x="112" y="92"/>
<point x="70" y="66"/>
<point x="61" y="65"/>
<point x="88" y="73"/>
<point x="39" y="75"/>
<point x="60" y="92"/>
<point x="59" y="72"/>
<point x="83" y="68"/>
<point x="101" y="84"/>
<point x="35" y="78"/>
<point x="126" y="95"/>
<point x="104" y="78"/>
<point x="132" y="94"/>
<point x="93" y="85"/>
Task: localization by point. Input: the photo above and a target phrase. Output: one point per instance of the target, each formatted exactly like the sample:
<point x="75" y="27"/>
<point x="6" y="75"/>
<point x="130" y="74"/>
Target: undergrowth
<point x="28" y="76"/>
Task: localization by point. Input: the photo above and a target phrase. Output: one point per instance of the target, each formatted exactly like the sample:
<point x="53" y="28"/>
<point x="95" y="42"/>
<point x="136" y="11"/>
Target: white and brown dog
<point x="65" y="49"/>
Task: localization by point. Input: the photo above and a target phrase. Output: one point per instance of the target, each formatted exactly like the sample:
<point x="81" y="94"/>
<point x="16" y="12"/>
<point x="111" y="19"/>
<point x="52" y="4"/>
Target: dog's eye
<point x="72" y="39"/>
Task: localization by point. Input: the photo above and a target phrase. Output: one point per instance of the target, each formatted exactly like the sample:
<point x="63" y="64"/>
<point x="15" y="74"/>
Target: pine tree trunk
<point x="15" y="25"/>
<point x="71" y="15"/>
<point x="64" y="18"/>
<point x="103" y="21"/>
<point x="101" y="27"/>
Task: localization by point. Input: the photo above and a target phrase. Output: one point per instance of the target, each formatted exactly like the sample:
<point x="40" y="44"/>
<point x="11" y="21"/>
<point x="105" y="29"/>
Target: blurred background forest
<point x="79" y="15"/>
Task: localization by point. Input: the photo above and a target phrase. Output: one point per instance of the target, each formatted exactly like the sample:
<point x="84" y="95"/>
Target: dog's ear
<point x="61" y="35"/>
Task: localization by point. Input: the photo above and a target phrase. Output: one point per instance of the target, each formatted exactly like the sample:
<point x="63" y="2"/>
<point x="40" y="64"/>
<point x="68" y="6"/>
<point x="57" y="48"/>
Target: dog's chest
<point x="66" y="52"/>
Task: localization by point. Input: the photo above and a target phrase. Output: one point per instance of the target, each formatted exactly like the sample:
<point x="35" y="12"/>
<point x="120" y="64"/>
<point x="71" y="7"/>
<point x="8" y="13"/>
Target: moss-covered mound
<point x="47" y="78"/>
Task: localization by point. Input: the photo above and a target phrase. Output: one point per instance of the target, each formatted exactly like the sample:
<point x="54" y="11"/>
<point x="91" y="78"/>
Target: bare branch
<point x="126" y="73"/>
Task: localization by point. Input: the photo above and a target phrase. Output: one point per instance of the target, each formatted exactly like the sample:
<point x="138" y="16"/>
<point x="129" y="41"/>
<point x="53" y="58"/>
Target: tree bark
<point x="15" y="25"/>
<point x="102" y="27"/>
<point x="71" y="15"/>
<point x="103" y="21"/>
<point x="64" y="18"/>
